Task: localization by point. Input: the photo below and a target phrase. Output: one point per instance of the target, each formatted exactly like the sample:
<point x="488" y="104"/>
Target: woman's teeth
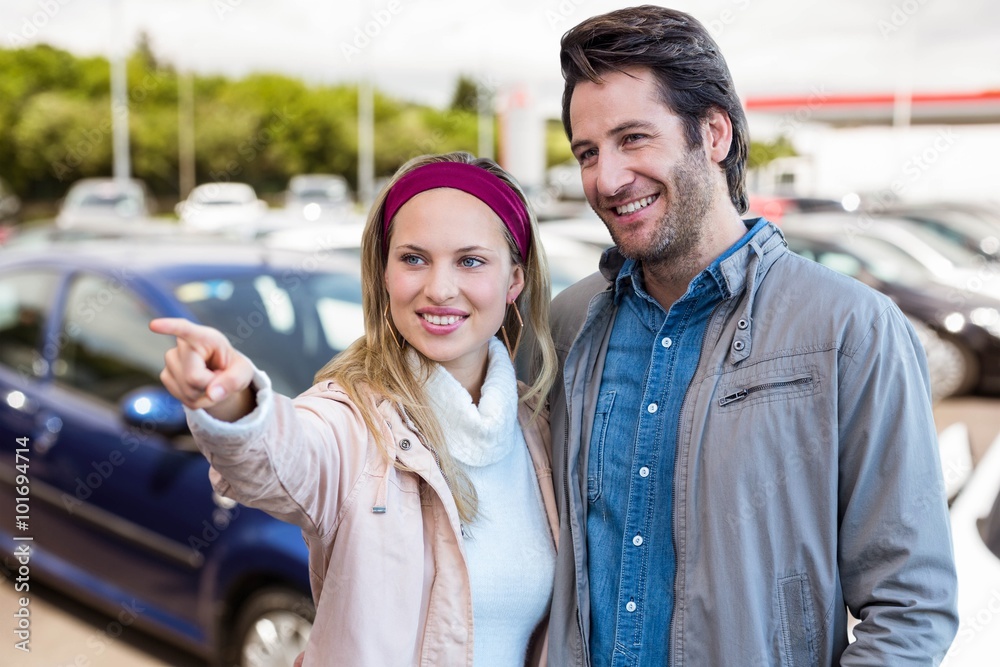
<point x="441" y="320"/>
<point x="632" y="207"/>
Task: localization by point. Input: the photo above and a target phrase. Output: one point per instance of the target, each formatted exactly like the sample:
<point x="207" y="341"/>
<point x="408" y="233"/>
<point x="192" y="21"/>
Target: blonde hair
<point x="376" y="364"/>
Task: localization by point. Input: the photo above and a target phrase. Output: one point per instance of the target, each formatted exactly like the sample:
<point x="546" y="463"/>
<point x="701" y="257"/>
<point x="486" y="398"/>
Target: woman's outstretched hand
<point x="205" y="371"/>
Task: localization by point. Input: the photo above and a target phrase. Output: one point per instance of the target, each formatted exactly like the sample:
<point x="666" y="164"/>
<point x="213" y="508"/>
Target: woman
<point x="417" y="466"/>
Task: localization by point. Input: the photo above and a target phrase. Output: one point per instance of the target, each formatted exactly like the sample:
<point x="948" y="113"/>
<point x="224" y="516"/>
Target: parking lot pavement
<point x="65" y="633"/>
<point x="980" y="415"/>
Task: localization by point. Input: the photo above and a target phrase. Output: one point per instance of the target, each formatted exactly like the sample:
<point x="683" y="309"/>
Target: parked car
<point x="121" y="509"/>
<point x="563" y="181"/>
<point x="956" y="226"/>
<point x="588" y="229"/>
<point x="45" y="233"/>
<point x="318" y="196"/>
<point x="569" y="259"/>
<point x="108" y="202"/>
<point x="316" y="237"/>
<point x="961" y="337"/>
<point x="776" y="207"/>
<point x="220" y="206"/>
<point x="949" y="263"/>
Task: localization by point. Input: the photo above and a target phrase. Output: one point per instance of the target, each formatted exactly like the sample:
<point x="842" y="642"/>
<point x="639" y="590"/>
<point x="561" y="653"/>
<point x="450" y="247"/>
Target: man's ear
<point x="717" y="133"/>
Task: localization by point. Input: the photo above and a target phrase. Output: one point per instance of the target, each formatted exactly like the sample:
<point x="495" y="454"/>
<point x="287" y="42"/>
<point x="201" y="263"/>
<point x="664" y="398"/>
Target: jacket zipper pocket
<point x="743" y="393"/>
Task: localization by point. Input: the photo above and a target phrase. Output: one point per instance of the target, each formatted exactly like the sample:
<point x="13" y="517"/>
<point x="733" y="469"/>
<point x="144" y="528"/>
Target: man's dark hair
<point x="691" y="73"/>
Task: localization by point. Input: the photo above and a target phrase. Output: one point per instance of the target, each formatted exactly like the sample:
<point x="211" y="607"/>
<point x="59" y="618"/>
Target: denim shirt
<point x="651" y="359"/>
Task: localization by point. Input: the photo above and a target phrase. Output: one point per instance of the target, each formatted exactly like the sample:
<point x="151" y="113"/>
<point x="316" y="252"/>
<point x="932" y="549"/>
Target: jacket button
<point x="739" y="345"/>
<point x="742" y="324"/>
<point x="404" y="444"/>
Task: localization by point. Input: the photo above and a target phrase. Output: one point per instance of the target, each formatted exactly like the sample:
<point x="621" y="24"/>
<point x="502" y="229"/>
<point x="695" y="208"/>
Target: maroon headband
<point x="474" y="180"/>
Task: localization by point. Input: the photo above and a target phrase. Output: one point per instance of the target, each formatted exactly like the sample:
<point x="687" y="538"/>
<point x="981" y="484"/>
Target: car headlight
<point x="954" y="322"/>
<point x="987" y="318"/>
<point x="312" y="211"/>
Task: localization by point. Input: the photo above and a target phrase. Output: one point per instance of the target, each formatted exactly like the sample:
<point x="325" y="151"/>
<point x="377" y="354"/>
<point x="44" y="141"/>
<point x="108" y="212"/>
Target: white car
<point x="950" y="263"/>
<point x="317" y="237"/>
<point x="313" y="197"/>
<point x="590" y="230"/>
<point x="94" y="203"/>
<point x="219" y="206"/>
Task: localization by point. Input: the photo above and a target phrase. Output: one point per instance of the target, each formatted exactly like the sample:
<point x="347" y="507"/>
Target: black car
<point x="960" y="332"/>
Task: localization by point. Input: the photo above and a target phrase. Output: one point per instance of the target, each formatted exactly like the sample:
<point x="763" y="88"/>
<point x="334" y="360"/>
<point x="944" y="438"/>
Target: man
<point x="743" y="442"/>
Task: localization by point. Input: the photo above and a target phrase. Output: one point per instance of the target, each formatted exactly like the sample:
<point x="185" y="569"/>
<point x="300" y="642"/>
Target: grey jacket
<point x="807" y="476"/>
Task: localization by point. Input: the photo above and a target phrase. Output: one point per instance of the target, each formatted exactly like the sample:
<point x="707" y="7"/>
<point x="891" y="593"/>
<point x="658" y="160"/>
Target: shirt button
<point x="643" y="471"/>
<point x="637" y="540"/>
<point x="630" y="606"/>
<point x="651" y="408"/>
<point x="666" y="342"/>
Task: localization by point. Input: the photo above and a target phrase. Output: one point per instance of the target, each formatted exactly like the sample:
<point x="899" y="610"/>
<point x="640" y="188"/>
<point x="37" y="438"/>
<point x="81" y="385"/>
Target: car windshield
<point x="290" y="324"/>
<point x="945" y="244"/>
<point x="960" y="226"/>
<point x="215" y="195"/>
<point x="96" y="199"/>
<point x="888" y="262"/>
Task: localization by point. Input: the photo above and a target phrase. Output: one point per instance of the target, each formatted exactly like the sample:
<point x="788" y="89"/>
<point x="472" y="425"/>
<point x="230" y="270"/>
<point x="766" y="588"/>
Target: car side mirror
<point x="154" y="409"/>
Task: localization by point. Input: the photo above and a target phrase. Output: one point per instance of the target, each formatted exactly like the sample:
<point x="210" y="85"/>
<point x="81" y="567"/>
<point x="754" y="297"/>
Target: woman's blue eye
<point x="471" y="262"/>
<point x="412" y="260"/>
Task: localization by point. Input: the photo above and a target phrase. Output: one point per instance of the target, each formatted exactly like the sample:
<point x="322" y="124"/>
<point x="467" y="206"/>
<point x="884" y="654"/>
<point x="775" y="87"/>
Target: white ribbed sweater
<point x="509" y="547"/>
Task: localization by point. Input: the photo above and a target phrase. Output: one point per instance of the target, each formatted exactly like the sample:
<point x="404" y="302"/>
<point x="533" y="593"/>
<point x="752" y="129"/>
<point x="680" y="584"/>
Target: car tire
<point x="271" y="629"/>
<point x="953" y="368"/>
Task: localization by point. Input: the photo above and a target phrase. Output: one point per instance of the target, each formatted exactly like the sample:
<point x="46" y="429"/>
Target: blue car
<point x="113" y="500"/>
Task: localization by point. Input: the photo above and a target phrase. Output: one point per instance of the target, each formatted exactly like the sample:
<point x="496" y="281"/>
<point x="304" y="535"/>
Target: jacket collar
<point x="739" y="273"/>
<point x="731" y="272"/>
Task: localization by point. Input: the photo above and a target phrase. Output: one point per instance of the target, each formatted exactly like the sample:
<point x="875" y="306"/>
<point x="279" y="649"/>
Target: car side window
<point x="25" y="309"/>
<point x="107" y="349"/>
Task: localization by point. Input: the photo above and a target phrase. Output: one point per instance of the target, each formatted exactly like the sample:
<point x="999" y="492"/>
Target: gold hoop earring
<point x="389" y="328"/>
<point x="503" y="330"/>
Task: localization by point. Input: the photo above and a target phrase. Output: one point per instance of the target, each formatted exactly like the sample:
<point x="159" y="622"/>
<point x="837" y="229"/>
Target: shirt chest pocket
<point x="595" y="466"/>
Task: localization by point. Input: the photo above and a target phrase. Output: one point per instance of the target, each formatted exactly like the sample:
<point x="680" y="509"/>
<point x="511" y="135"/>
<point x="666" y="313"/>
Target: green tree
<point x="466" y="95"/>
<point x="762" y="152"/>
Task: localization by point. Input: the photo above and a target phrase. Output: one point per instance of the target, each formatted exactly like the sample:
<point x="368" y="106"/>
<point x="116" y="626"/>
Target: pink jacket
<point x="391" y="588"/>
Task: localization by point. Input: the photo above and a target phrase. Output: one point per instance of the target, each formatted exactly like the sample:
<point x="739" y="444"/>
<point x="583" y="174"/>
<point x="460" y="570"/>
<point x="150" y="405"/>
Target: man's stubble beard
<point x="679" y="232"/>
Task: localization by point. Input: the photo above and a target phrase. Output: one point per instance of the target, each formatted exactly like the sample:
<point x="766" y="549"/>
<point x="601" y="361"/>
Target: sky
<point x="416" y="49"/>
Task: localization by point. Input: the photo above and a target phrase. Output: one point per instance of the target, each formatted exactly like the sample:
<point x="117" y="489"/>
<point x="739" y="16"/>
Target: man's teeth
<point x="632" y="207"/>
<point x="441" y="320"/>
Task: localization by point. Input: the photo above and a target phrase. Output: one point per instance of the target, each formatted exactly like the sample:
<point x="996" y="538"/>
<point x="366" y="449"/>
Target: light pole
<point x="122" y="167"/>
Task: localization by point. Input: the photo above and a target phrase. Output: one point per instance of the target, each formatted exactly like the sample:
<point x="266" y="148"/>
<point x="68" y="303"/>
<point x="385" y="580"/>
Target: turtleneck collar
<point x="477" y="435"/>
